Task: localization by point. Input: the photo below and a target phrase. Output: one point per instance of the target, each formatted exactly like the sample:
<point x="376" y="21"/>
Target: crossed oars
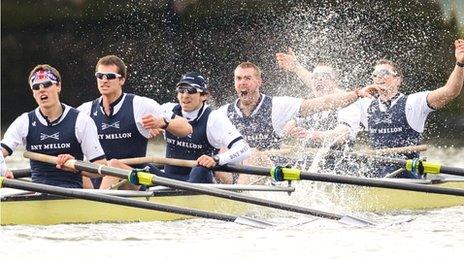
<point x="281" y="174"/>
<point x="419" y="165"/>
<point x="151" y="179"/>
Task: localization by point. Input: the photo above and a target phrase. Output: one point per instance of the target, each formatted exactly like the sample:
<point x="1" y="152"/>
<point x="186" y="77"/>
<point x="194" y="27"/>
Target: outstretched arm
<point x="441" y="96"/>
<point x="289" y="62"/>
<point x="334" y="101"/>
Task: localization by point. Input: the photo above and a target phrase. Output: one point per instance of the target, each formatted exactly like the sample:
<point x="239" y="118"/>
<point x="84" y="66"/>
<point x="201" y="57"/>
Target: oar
<point x="396" y="150"/>
<point x="151" y="179"/>
<point x="409" y="164"/>
<point x="42" y="188"/>
<point x="21" y="173"/>
<point x="281" y="174"/>
<point x="419" y="165"/>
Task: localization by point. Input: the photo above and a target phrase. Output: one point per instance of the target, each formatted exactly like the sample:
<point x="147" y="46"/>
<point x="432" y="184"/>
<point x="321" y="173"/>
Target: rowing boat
<point x="25" y="208"/>
<point x="384" y="200"/>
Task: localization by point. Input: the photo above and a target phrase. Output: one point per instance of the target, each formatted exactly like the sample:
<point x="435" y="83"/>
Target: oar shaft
<point x="452" y="171"/>
<point x="159" y="160"/>
<point x="379" y="183"/>
<point x="435" y="168"/>
<point x="36" y="187"/>
<point x="397" y="150"/>
<point x="368" y="182"/>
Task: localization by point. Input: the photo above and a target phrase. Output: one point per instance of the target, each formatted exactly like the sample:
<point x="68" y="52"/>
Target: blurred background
<point x="160" y="40"/>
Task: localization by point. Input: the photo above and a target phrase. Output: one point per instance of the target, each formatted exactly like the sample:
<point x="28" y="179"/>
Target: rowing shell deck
<point x="43" y="209"/>
<point x="382" y="200"/>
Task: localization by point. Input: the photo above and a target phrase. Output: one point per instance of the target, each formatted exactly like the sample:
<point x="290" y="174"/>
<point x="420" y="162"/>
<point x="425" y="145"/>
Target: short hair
<point x="395" y="66"/>
<point x="113" y="60"/>
<point x="45" y="67"/>
<point x="250" y="65"/>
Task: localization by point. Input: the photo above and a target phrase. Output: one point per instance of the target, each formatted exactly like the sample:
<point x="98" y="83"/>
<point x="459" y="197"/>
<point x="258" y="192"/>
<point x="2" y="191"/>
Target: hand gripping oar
<point x="42" y="188"/>
<point x="151" y="179"/>
<point x="280" y="174"/>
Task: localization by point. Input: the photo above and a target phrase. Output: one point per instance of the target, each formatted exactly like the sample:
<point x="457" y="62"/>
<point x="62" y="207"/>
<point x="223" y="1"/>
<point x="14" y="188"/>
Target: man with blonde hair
<point x="261" y="118"/>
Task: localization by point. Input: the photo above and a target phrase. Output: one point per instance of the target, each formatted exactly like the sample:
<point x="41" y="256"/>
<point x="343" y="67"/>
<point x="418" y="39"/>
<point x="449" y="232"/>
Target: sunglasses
<point x="383" y="73"/>
<point x="188" y="89"/>
<point x="108" y="76"/>
<point x="36" y="86"/>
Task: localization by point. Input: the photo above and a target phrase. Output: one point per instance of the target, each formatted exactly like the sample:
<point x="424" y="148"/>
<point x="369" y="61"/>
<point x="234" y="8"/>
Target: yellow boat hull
<point x="59" y="211"/>
<point x="382" y="200"/>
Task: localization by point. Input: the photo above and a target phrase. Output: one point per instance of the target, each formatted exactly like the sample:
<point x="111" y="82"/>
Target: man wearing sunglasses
<point x="322" y="80"/>
<point x="211" y="131"/>
<point x="261" y="118"/>
<point x="53" y="128"/>
<point x="122" y="118"/>
<point x="395" y="119"/>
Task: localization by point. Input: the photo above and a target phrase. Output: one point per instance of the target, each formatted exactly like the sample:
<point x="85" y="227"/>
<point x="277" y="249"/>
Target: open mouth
<point x="43" y="97"/>
<point x="243" y="93"/>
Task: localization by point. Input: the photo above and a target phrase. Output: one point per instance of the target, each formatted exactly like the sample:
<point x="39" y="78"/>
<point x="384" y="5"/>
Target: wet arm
<point x="440" y="97"/>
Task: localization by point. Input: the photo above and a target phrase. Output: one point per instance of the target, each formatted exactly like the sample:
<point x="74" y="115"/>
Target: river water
<point x="428" y="235"/>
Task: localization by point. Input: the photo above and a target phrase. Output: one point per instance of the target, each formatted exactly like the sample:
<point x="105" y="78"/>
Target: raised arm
<point x="441" y="96"/>
<point x="336" y="100"/>
<point x="289" y="62"/>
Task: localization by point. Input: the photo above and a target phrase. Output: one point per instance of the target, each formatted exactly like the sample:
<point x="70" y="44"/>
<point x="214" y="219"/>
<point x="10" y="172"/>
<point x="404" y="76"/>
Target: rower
<point x="53" y="128"/>
<point x="261" y="118"/>
<point x="120" y="117"/>
<point x="395" y="119"/>
<point x="211" y="131"/>
<point x="324" y="127"/>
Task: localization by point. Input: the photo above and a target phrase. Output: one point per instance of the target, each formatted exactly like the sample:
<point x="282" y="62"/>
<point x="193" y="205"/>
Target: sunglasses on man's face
<point x="187" y="89"/>
<point x="383" y="73"/>
<point x="108" y="76"/>
<point x="36" y="86"/>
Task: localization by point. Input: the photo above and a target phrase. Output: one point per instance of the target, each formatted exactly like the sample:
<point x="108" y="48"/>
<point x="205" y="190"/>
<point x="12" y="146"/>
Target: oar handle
<point x="48" y="159"/>
<point x="398" y="150"/>
<point x="160" y="160"/>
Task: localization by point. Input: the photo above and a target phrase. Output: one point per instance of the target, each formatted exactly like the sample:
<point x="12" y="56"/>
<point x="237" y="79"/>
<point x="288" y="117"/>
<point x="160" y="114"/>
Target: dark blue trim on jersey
<point x="234" y="141"/>
<point x="98" y="158"/>
<point x="10" y="151"/>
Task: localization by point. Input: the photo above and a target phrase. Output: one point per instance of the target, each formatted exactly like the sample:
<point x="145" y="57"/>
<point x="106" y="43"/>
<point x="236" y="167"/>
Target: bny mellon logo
<point x="44" y="136"/>
<point x="113" y="125"/>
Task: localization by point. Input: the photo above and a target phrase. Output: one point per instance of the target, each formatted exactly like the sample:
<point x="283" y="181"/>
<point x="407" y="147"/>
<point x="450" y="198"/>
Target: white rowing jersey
<point x="263" y="129"/>
<point x="220" y="133"/>
<point x="141" y="106"/>
<point x="84" y="131"/>
<point x="416" y="111"/>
